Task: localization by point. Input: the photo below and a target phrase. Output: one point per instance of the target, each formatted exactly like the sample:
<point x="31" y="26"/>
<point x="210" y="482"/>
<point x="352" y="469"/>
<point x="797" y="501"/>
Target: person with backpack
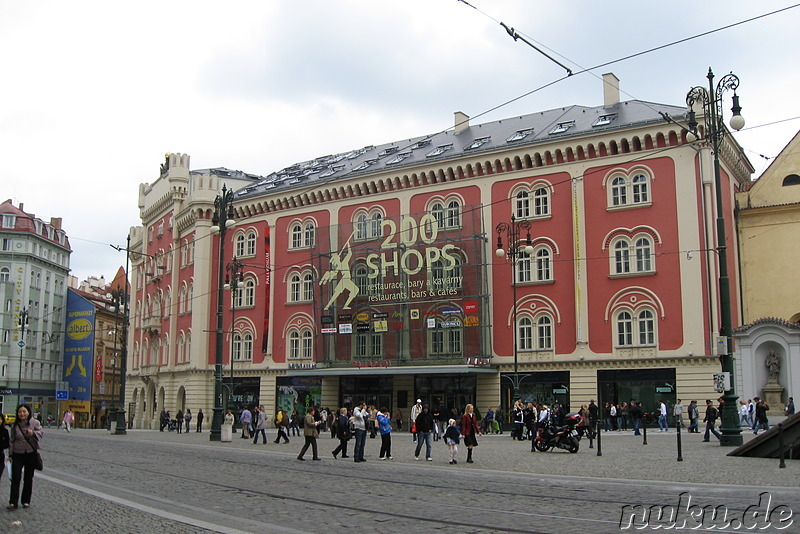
<point x="343" y="432"/>
<point x="187" y="416"/>
<point x="281" y="422"/>
<point x="694" y="417"/>
<point x="709" y="420"/>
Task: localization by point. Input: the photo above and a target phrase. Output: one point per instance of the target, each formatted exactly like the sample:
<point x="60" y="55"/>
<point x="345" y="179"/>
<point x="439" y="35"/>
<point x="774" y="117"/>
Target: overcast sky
<point x="93" y="94"/>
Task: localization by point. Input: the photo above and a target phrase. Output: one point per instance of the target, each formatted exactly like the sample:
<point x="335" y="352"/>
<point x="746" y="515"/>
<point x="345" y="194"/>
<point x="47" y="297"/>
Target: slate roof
<point x="524" y="130"/>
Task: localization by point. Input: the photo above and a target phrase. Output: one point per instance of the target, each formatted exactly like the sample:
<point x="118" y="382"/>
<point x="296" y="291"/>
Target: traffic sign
<point x="21" y="344"/>
<point x="62" y="395"/>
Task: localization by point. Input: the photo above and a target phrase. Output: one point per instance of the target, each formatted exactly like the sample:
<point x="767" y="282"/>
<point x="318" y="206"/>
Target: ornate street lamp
<point x="232" y="283"/>
<point x="222" y="220"/>
<point x="122" y="427"/>
<point x="711" y="101"/>
<point x="24" y="318"/>
<point x="516" y="251"/>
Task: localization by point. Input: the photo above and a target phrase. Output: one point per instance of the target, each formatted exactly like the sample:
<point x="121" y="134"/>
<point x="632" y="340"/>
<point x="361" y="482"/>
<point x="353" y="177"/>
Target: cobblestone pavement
<point x="149" y="481"/>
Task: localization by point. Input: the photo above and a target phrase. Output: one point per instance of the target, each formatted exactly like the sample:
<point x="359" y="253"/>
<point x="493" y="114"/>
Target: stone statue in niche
<point x="773" y="363"/>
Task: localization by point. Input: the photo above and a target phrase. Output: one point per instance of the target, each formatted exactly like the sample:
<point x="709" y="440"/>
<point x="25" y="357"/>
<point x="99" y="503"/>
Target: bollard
<point x="780" y="444"/>
<point x="680" y="449"/>
<point x="644" y="431"/>
<point x="599" y="441"/>
<point x="591" y="440"/>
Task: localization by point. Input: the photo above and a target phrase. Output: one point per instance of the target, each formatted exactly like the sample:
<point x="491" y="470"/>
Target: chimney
<point x="610" y="89"/>
<point x="55" y="222"/>
<point x="462" y="122"/>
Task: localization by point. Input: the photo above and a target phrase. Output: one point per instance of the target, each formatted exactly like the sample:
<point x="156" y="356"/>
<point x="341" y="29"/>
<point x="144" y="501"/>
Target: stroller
<point x="172" y="425"/>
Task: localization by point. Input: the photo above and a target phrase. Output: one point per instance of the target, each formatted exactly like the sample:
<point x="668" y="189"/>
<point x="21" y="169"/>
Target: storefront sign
<point x="431" y="322"/>
<point x="302" y="365"/>
<point x="450" y="311"/>
<point x="559" y="391"/>
<point x="471" y="307"/>
<point x="345" y="328"/>
<point x="362" y="327"/>
<point x="372" y="363"/>
<point x="380" y="326"/>
<point x="451" y="324"/>
<point x="480" y="362"/>
<point x="382" y="315"/>
<point x="328" y="330"/>
<point x="326" y="319"/>
<point x="345" y="318"/>
<point x="471" y="320"/>
<point x="415" y="313"/>
<point x="362" y="317"/>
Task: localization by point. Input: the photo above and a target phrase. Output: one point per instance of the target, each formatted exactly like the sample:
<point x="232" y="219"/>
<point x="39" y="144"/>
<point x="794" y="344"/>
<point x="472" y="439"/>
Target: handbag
<point x="39" y="465"/>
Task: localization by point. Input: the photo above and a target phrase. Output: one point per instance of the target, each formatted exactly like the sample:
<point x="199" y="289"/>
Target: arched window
<point x="361" y="227"/>
<point x="622" y="261"/>
<point x="453" y="214"/>
<point x="524" y="333"/>
<point x="544" y="332"/>
<point x="295" y="288"/>
<point x="646" y="327"/>
<point x="240" y="245"/>
<point x="541" y="202"/>
<point x="250" y="243"/>
<point x="523" y="205"/>
<point x="437" y="211"/>
<point x="309" y="233"/>
<point x="296" y="236"/>
<point x="5" y="274"/>
<point x="308" y="287"/>
<point x="523" y="267"/>
<point x="249" y="290"/>
<point x="643" y="248"/>
<point x="619" y="191"/>
<point x="641" y="193"/>
<point x="294" y="345"/>
<point x="624" y="325"/>
<point x="375" y="226"/>
<point x="543" y="270"/>
<point x="306" y="345"/>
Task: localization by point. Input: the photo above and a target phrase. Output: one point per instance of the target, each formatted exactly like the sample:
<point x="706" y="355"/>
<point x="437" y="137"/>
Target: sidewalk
<point x="623" y="456"/>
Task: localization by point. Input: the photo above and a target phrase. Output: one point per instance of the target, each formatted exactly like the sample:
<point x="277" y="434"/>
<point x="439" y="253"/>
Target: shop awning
<point x="399" y="370"/>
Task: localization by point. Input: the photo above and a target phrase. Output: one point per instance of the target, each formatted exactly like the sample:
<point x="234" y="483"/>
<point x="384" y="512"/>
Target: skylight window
<point x="388" y="150"/>
<point x="477" y="143"/>
<point x="364" y="165"/>
<point x="398" y="158"/>
<point x="439" y="150"/>
<point x="562" y="127"/>
<point x="331" y="171"/>
<point x="421" y="144"/>
<point x="355" y="153"/>
<point x="520" y="135"/>
<point x="602" y="120"/>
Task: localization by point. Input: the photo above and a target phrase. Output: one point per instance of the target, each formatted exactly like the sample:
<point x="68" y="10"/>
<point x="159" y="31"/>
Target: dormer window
<point x="477" y="143"/>
<point x="603" y="120"/>
<point x="439" y="150"/>
<point x="562" y="127"/>
<point x="9" y="221"/>
<point x="520" y="135"/>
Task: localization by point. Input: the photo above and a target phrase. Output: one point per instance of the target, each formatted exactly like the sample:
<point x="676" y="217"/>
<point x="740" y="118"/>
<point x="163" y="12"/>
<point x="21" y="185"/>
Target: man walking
<point x="259" y="425"/>
<point x="677" y="411"/>
<point x="245" y="419"/>
<point x="310" y="432"/>
<point x="694" y="417"/>
<point x="415" y="411"/>
<point x="709" y="420"/>
<point x="663" y="426"/>
<point x="424" y="424"/>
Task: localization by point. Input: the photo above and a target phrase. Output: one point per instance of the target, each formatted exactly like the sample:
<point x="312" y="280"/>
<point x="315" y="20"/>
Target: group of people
<point x="181" y="418"/>
<point x="21" y="439"/>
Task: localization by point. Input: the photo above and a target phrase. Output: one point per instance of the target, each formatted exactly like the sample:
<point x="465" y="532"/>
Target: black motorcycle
<point x="558" y="437"/>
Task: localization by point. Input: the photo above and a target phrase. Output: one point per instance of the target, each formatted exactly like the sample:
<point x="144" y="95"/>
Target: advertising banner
<point x="79" y="346"/>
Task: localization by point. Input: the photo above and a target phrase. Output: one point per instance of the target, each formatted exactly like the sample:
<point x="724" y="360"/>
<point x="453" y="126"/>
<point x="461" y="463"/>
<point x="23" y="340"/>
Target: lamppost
<point x="116" y="299"/>
<point x="232" y="283"/>
<point x="516" y="251"/>
<point x="123" y="364"/>
<point x="222" y="220"/>
<point x="23" y="323"/>
<point x="711" y="101"/>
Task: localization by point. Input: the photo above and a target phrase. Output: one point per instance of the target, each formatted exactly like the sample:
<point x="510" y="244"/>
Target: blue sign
<point x="79" y="347"/>
<point x="62" y="395"/>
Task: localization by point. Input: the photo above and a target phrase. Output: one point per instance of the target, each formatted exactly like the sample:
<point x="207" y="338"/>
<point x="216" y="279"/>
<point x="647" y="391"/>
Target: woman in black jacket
<point x="342" y="432"/>
<point x="26" y="432"/>
<point x="3" y="443"/>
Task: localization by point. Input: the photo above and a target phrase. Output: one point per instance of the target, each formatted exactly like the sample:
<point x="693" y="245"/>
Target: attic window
<point x="603" y="120"/>
<point x="520" y="135"/>
<point x="792" y="179"/>
<point x="364" y="165"/>
<point x="398" y="158"/>
<point x="439" y="150"/>
<point x="355" y="153"/>
<point x="387" y="151"/>
<point x="562" y="127"/>
<point x="477" y="143"/>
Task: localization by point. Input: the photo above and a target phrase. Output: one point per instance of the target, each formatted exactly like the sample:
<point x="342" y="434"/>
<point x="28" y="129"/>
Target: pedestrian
<point x="188" y="418"/>
<point x="385" y="426"/>
<point x="359" y="420"/>
<point x="415" y="411"/>
<point x="435" y="414"/>
<point x="624" y="415"/>
<point x="470" y="430"/>
<point x="451" y="438"/>
<point x="163" y="420"/>
<point x="499" y="419"/>
<point x="245" y="419"/>
<point x="281" y="422"/>
<point x="294" y="424"/>
<point x="310" y="432"/>
<point x="594" y="413"/>
<point x="3" y="444"/>
<point x="761" y="417"/>
<point x="789" y="410"/>
<point x="694" y="417"/>
<point x="50" y="420"/>
<point x="398" y="419"/>
<point x="743" y="413"/>
<point x="751" y="408"/>
<point x="424" y="424"/>
<point x="69" y="418"/>
<point x="179" y="421"/>
<point x="663" y="426"/>
<point x="342" y="432"/>
<point x="24" y="438"/>
<point x="636" y="413"/>
<point x="677" y="411"/>
<point x="487" y="424"/>
<point x="529" y="416"/>
<point x="200" y="417"/>
<point x="617" y="417"/>
<point x="259" y="425"/>
<point x="227" y="426"/>
<point x="518" y="412"/>
<point x="710" y="418"/>
<point x="607" y="425"/>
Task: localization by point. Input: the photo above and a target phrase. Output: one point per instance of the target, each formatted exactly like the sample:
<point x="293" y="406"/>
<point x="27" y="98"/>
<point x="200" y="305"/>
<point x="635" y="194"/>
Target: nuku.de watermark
<point x="688" y="516"/>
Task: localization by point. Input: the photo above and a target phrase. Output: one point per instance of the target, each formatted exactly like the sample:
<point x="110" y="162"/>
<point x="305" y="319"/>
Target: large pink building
<point x="374" y="274"/>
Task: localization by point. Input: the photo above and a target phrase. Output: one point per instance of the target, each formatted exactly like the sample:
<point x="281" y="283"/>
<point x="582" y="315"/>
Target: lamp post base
<point x="216" y="425"/>
<point x="122" y="425"/>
